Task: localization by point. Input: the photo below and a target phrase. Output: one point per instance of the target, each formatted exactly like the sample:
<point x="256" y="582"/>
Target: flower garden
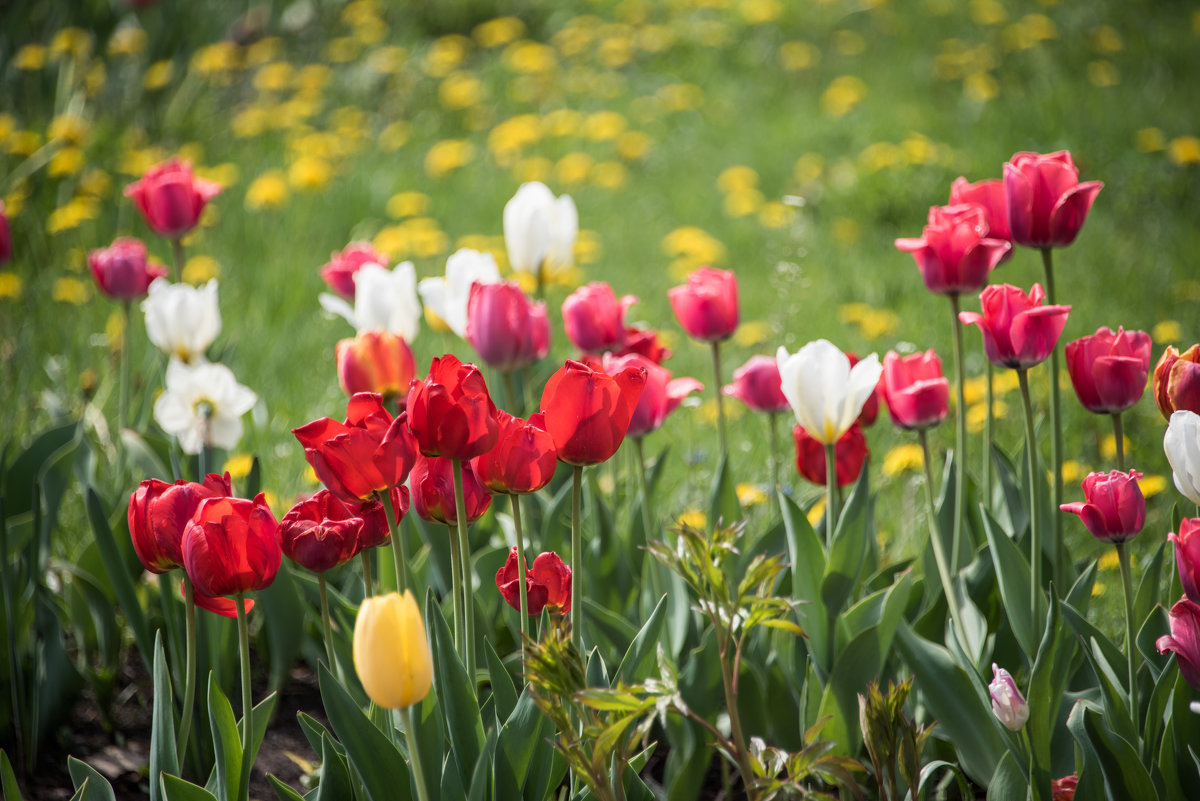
<point x="704" y="399"/>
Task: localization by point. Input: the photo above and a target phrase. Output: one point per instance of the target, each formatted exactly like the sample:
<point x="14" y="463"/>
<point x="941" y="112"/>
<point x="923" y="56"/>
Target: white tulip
<point x="447" y="297"/>
<point x="1182" y="444"/>
<point x="203" y="404"/>
<point x="383" y="300"/>
<point x="824" y="392"/>
<point x="539" y="229"/>
<point x="182" y="320"/>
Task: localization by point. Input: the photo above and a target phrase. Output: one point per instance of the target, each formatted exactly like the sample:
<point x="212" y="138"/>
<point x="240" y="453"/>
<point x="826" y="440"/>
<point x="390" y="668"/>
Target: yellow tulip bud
<point x="391" y="651"/>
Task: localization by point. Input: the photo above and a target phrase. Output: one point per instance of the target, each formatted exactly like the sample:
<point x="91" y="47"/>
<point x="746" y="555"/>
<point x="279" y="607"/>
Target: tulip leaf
<point x="1048" y="683"/>
<point x="723" y="506"/>
<point x="1149" y="590"/>
<point x="284" y="628"/>
<point x="9" y="789"/>
<point x="1155" y="625"/>
<point x="930" y="769"/>
<point x="807" y="559"/>
<point x="640" y="657"/>
<point x="28" y="469"/>
<point x="1156" y="713"/>
<point x="504" y="692"/>
<point x="1013" y="514"/>
<point x="614" y="627"/>
<point x="1012" y="574"/>
<point x="1091" y="785"/>
<point x="118" y="573"/>
<point x="163" y="757"/>
<point x="1084" y="629"/>
<point x="482" y="771"/>
<point x="1123" y="771"/>
<point x="455" y="691"/>
<point x="847" y="553"/>
<point x="374" y="760"/>
<point x="335" y="776"/>
<point x="596" y="672"/>
<point x="1185" y="726"/>
<point x="1080" y="596"/>
<point x="1112" y="691"/>
<point x="227" y="744"/>
<point x="1009" y="782"/>
<point x="522" y="735"/>
<point x="144" y="460"/>
<point x="174" y="788"/>
<point x="89" y="784"/>
<point x="285" y="792"/>
<point x="313" y="730"/>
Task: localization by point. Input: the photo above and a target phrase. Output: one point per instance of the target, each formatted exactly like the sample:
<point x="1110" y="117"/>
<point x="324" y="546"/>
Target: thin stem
<point x="326" y="626"/>
<point x="510" y="391"/>
<point x="735" y="723"/>
<point x="647" y="513"/>
<point x="522" y="583"/>
<point x="773" y="428"/>
<point x="456" y="588"/>
<point x="177" y="253"/>
<point x="409" y="721"/>
<point x="123" y="369"/>
<point x="1035" y="526"/>
<point x="987" y="436"/>
<point x="1127" y="586"/>
<point x="1119" y="436"/>
<point x="1056" y="443"/>
<point x="189" y="679"/>
<point x="960" y="446"/>
<point x="716" y="360"/>
<point x="460" y="508"/>
<point x="577" y="558"/>
<point x="831" y="493"/>
<point x="369" y="586"/>
<point x="247" y="703"/>
<point x="939" y="548"/>
<point x="399" y="557"/>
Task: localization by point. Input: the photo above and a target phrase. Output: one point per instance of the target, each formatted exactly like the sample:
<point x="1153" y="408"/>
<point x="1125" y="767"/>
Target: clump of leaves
<point x="893" y="739"/>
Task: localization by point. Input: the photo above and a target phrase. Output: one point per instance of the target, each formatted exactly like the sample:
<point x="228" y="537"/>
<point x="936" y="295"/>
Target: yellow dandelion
<point x="460" y="90"/>
<point x="573" y="169"/>
<point x="842" y="95"/>
<point x="238" y="466"/>
<point x="200" y="269"/>
<point x="796" y="56"/>
<point x="1166" y="332"/>
<point x="342" y="49"/>
<point x="429" y="242"/>
<point x="11" y="285"/>
<point x="536" y="168"/>
<point x="448" y="155"/>
<point x="23" y="143"/>
<point x="309" y="173"/>
<point x="387" y="60"/>
<point x="708" y="413"/>
<point x="634" y="145"/>
<point x="1149" y="140"/>
<point x="561" y="122"/>
<point x="902" y="459"/>
<point x="274" y="77"/>
<point x="981" y="87"/>
<point x="267" y="191"/>
<point x="498" y="32"/>
<point x="695" y="243"/>
<point x="407" y="204"/>
<point x="774" y="214"/>
<point x="680" y="97"/>
<point x="977" y="415"/>
<point x="1106" y="39"/>
<point x="114" y="330"/>
<point x="738" y="178"/>
<point x="588" y="247"/>
<point x="394" y="241"/>
<point x="1073" y="471"/>
<point x="529" y="57"/>
<point x="1110" y="561"/>
<point x="604" y="125"/>
<point x="1103" y="74"/>
<point x="654" y="38"/>
<point x="849" y="43"/>
<point x="158" y="75"/>
<point x="692" y="518"/>
<point x="880" y="155"/>
<point x="1098" y="589"/>
<point x="610" y="175"/>
<point x="71" y="290"/>
<point x="74" y="42"/>
<point x="809" y="168"/>
<point x="250" y="122"/>
<point x="1152" y="484"/>
<point x="312" y="78"/>
<point x="76" y="211"/>
<point x="1184" y="150"/>
<point x="371" y="32"/>
<point x="743" y="203"/>
<point x="445" y="54"/>
<point x="215" y="59"/>
<point x="987" y="12"/>
<point x="750" y="495"/>
<point x="919" y="149"/>
<point x="30" y="58"/>
<point x="760" y="12"/>
<point x="66" y="161"/>
<point x="1039" y="27"/>
<point x="70" y="128"/>
<point x="263" y="51"/>
<point x="7" y="126"/>
<point x="394" y="135"/>
<point x="1108" y="447"/>
<point x="816" y="512"/>
<point x="753" y="333"/>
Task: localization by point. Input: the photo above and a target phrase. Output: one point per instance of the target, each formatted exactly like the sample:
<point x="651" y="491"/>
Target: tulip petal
<point x="1070" y="212"/>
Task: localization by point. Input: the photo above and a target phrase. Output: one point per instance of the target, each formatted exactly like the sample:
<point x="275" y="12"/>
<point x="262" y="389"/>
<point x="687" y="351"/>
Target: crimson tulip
<point x="121" y="269"/>
<point x="504" y="327"/>
<point x="955" y="252"/>
<point x="375" y="530"/>
<point x="1177" y="381"/>
<point x="450" y="412"/>
<point x="850" y="454"/>
<point x="1184" y="640"/>
<point x="159" y="512"/>
<point x="644" y="342"/>
<point x="588" y="412"/>
<point x="1046" y="202"/>
<point x="5" y="236"/>
<point x="375" y="361"/>
<point x="170" y="197"/>
<point x="1017" y="330"/>
<point x="1114" y="509"/>
<point x="707" y="305"/>
<point x="916" y="392"/>
<point x="547" y="583"/>
<point x="661" y="394"/>
<point x="339" y="271"/>
<point x="523" y="460"/>
<point x="594" y="319"/>
<point x="870" y="409"/>
<point x="1063" y="789"/>
<point x="218" y="605"/>
<point x="1187" y="556"/>
<point x="320" y="532"/>
<point x="988" y="195"/>
<point x="432" y="483"/>
<point x="758" y="385"/>
<point x="1109" y="370"/>
<point x="370" y="452"/>
<point x="231" y="546"/>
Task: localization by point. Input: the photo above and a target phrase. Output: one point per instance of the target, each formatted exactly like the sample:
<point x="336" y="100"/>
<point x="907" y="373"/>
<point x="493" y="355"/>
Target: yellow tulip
<point x="391" y="651"/>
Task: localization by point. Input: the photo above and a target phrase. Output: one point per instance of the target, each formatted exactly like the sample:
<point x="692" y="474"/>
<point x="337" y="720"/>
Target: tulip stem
<point x="1035" y="525"/>
<point x="1056" y="442"/>
<point x="456" y="581"/>
<point x="460" y="508"/>
<point x="987" y="436"/>
<point x="648" y="527"/>
<point x="577" y="558"/>
<point x="326" y="626"/>
<point x="177" y="253"/>
<point x="510" y="390"/>
<point x="1127" y="587"/>
<point x="773" y="428"/>
<point x="247" y="704"/>
<point x="123" y="370"/>
<point x="399" y="557"/>
<point x="409" y="721"/>
<point x="716" y="360"/>
<point x="522" y="582"/>
<point x="831" y="494"/>
<point x="189" y="678"/>
<point x="368" y="585"/>
<point x="1119" y="438"/>
<point x="960" y="446"/>
<point x="939" y="547"/>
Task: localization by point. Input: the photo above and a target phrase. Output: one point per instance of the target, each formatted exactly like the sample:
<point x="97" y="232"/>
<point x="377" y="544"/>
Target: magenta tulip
<point x="1114" y="508"/>
<point x="757" y="384"/>
<point x="594" y="319"/>
<point x="955" y="252"/>
<point x="1017" y="330"/>
<point x="504" y="327"/>
<point x="1184" y="640"/>
<point x="916" y="392"/>
<point x="989" y="195"/>
<point x="1109" y="370"/>
<point x="1046" y="203"/>
<point x="707" y="305"/>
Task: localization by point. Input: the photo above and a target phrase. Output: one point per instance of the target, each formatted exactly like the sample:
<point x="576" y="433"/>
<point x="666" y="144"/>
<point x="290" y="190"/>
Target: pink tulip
<point x="916" y="392"/>
<point x="170" y="197"/>
<point x="1046" y="203"/>
<point x="122" y="271"/>
<point x="504" y="327"/>
<point x="1184" y="640"/>
<point x="707" y="305"/>
<point x="339" y="271"/>
<point x="1114" y="509"/>
<point x="661" y="395"/>
<point x="955" y="252"/>
<point x="594" y="319"/>
<point x="1187" y="556"/>
<point x="1017" y="330"/>
<point x="989" y="195"/>
<point x="1109" y="370"/>
<point x="757" y="384"/>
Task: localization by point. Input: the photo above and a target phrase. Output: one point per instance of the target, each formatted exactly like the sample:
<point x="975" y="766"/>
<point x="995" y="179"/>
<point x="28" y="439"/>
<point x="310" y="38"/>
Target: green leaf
<point x="481" y="776"/>
<point x="723" y="506"/>
<point x="284" y="628"/>
<point x="807" y="557"/>
<point x="455" y="691"/>
<point x="145" y="460"/>
<point x="614" y="627"/>
<point x="1013" y="576"/>
<point x="930" y="769"/>
<point x="1009" y="782"/>
<point x="1091" y="786"/>
<point x="119" y="575"/>
<point x="523" y="735"/>
<point x="174" y="788"/>
<point x="284" y="792"/>
<point x="1048" y="684"/>
<point x="1112" y="690"/>
<point x="313" y="731"/>
<point x="1013" y="515"/>
<point x="848" y="551"/>
<point x="335" y="776"/>
<point x="28" y="468"/>
<point x="227" y="744"/>
<point x="89" y="785"/>
<point x="1148" y="591"/>
<point x="9" y="788"/>
<point x="1124" y="773"/>
<point x="1086" y="631"/>
<point x="374" y="760"/>
<point x="504" y="692"/>
<point x="163" y="757"/>
<point x="640" y="657"/>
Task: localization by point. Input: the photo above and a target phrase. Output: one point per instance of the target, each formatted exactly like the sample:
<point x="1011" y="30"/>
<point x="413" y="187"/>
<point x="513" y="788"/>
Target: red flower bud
<point x="159" y="512"/>
<point x="1177" y="381"/>
<point x="660" y="396"/>
<point x="1018" y="331"/>
<point x="850" y="454"/>
<point x="1046" y="203"/>
<point x="594" y="319"/>
<point x="988" y="195"/>
<point x="231" y="545"/>
<point x="955" y="253"/>
<point x="5" y="236"/>
<point x="450" y="412"/>
<point x="547" y="584"/>
<point x="643" y="342"/>
<point x="170" y="198"/>
<point x="1184" y="640"/>
<point x="121" y="270"/>
<point x="707" y="305"/>
<point x="587" y="412"/>
<point x="339" y="271"/>
<point x="1187" y="556"/>
<point x="758" y="385"/>
<point x="1109" y="370"/>
<point x="432" y="482"/>
<point x="523" y="460"/>
<point x="504" y="327"/>
<point x="320" y="532"/>
<point x="375" y="361"/>
<point x="917" y="393"/>
<point x="1114" y="509"/>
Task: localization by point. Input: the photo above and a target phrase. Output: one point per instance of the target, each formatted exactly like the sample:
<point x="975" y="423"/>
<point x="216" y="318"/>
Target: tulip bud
<point x="391" y="651"/>
<point x="232" y="546"/>
<point x="955" y="252"/>
<point x="1018" y="331"/>
<point x="5" y="236"/>
<point x="1187" y="556"/>
<point x="707" y="305"/>
<point x="594" y="318"/>
<point x="588" y="413"/>
<point x="1007" y="702"/>
<point x="547" y="584"/>
<point x="170" y="197"/>
<point x="1115" y="509"/>
<point x="375" y="361"/>
<point x="1177" y="381"/>
<point x="1046" y="202"/>
<point x="850" y="454"/>
<point x="339" y="271"/>
<point x="758" y="385"/>
<point x="1184" y="640"/>
<point x="917" y="393"/>
<point x="121" y="269"/>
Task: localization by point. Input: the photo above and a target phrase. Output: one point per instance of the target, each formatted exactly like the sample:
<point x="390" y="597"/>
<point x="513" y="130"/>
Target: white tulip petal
<point x="182" y="320"/>
<point x="863" y="379"/>
<point x="337" y="306"/>
<point x="1182" y="446"/>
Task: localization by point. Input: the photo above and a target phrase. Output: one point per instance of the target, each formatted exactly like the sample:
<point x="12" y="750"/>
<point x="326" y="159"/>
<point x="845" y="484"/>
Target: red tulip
<point x="1184" y="640"/>
<point x="850" y="454"/>
<point x="588" y="412"/>
<point x="320" y="532"/>
<point x="1177" y="381"/>
<point x="5" y="236"/>
<point x="707" y="305"/>
<point x="1063" y="789"/>
<point x="375" y="361"/>
<point x="170" y="198"/>
<point x="504" y="327"/>
<point x="231" y="545"/>
<point x="523" y="460"/>
<point x="644" y="342"/>
<point x="368" y="453"/>
<point x="870" y="409"/>
<point x="121" y="269"/>
<point x="955" y="252"/>
<point x="547" y="584"/>
<point x="916" y="392"/>
<point x="339" y="271"/>
<point x="1114" y="508"/>
<point x="432" y="482"/>
<point x="1187" y="556"/>
<point x="1046" y="203"/>
<point x="450" y="412"/>
<point x="225" y="607"/>
<point x="989" y="195"/>
<point x="159" y="512"/>
<point x="594" y="319"/>
<point x="758" y="385"/>
<point x="1017" y="330"/>
<point x="375" y="530"/>
<point x="661" y="394"/>
<point x="1109" y="370"/>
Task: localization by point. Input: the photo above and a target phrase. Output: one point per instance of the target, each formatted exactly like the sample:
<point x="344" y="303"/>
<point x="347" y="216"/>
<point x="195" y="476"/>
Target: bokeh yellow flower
<point x="309" y="173"/>
<point x="200" y="269"/>
<point x="529" y="57"/>
<point x="128" y="40"/>
<point x="573" y="169"/>
<point x="11" y="285"/>
<point x="274" y="77"/>
<point x="499" y="31"/>
<point x="1166" y="332"/>
<point x="460" y="90"/>
<point x="692" y="518"/>
<point x="750" y="495"/>
<point x="71" y="215"/>
<point x="903" y="459"/>
<point x="1184" y="150"/>
<point x="267" y="191"/>
<point x="238" y="465"/>
<point x="30" y="57"/>
<point x="72" y="291"/>
<point x="407" y="204"/>
<point x="67" y="161"/>
<point x="445" y="54"/>
<point x="448" y="155"/>
<point x="158" y="75"/>
<point x="842" y="95"/>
